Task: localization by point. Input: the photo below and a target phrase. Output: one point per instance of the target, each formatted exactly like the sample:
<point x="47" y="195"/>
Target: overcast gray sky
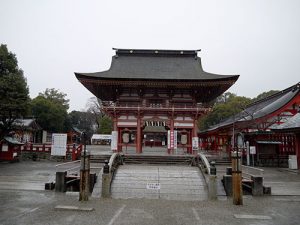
<point x="258" y="39"/>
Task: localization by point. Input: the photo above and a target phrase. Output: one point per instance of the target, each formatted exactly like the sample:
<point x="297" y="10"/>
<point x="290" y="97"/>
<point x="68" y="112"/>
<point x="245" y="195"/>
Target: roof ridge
<point x="156" y="52"/>
<point x="297" y="86"/>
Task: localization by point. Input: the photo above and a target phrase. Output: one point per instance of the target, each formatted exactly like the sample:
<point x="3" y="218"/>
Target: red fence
<point x="12" y="153"/>
<point x="73" y="151"/>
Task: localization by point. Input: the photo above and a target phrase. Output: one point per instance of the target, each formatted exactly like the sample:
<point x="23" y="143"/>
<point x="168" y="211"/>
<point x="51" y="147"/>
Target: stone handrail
<point x="252" y="171"/>
<point x="68" y="167"/>
<point x="205" y="162"/>
<point x="115" y="160"/>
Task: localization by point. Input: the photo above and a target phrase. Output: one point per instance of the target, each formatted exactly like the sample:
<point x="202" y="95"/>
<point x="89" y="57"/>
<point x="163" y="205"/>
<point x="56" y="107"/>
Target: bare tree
<point x="94" y="106"/>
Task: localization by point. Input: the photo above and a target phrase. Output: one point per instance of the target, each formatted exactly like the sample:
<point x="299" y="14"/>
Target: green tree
<point x="264" y="95"/>
<point x="105" y="125"/>
<point x="224" y="107"/>
<point x="14" y="98"/>
<point x="50" y="110"/>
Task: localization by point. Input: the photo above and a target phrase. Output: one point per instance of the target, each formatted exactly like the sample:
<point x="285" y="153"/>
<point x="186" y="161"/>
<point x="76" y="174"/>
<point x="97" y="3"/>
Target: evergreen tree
<point x="14" y="98"/>
<point x="50" y="110"/>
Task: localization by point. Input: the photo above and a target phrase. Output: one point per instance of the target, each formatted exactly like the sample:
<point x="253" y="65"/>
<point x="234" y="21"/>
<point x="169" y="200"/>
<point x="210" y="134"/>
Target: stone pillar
<point x="237" y="191"/>
<point x="61" y="182"/>
<point x="227" y="179"/>
<point x="106" y="178"/>
<point x="84" y="176"/>
<point x="257" y="186"/>
<point x="212" y="187"/>
<point x="138" y="136"/>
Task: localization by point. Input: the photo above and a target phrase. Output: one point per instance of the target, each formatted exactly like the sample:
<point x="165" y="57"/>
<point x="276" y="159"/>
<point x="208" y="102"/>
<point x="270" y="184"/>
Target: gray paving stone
<point x="176" y="182"/>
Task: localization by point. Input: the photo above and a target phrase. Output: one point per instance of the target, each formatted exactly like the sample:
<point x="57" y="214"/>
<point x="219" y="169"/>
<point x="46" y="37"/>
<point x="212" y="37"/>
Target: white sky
<point x="258" y="39"/>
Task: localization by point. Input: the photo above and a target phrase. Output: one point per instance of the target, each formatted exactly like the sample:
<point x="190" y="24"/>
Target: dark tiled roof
<point x="12" y="140"/>
<point x="261" y="107"/>
<point x="75" y="129"/>
<point x="291" y="123"/>
<point x="156" y="65"/>
<point x="27" y="123"/>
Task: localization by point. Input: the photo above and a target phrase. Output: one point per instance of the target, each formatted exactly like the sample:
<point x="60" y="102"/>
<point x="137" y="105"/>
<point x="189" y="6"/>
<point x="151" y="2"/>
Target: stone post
<point x="257" y="186"/>
<point x="227" y="179"/>
<point x="106" y="180"/>
<point x="212" y="187"/>
<point x="237" y="191"/>
<point x="84" y="176"/>
<point x="60" y="182"/>
<point x="212" y="183"/>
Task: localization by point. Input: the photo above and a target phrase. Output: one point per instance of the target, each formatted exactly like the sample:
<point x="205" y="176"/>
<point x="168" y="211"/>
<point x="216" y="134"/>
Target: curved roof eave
<point x="271" y="108"/>
<point x="104" y="76"/>
<point x="146" y="67"/>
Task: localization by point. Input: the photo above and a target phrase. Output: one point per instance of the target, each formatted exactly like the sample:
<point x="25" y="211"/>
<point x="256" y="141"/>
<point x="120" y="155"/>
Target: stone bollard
<point x="61" y="182"/>
<point x="106" y="180"/>
<point x="228" y="170"/>
<point x="227" y="180"/>
<point x="84" y="176"/>
<point x="212" y="187"/>
<point x="257" y="186"/>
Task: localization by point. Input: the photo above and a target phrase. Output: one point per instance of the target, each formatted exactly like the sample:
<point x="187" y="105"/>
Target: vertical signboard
<point x="114" y="141"/>
<point x="195" y="143"/>
<point x="169" y="139"/>
<point x="175" y="139"/>
<point x="59" y="144"/>
<point x="252" y="150"/>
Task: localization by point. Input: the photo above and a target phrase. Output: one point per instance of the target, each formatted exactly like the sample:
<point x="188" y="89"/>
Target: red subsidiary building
<point x="263" y="127"/>
<point x="155" y="97"/>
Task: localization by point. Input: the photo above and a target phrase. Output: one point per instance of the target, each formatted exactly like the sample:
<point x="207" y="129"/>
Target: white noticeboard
<point x="195" y="143"/>
<point x="59" y="144"/>
<point x="252" y="150"/>
<point x="114" y="141"/>
<point x="4" y="148"/>
<point x="153" y="186"/>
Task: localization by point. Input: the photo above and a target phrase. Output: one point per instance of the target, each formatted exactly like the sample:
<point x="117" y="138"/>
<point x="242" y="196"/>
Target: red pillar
<point x="115" y="128"/>
<point x="115" y="123"/>
<point x="138" y="136"/>
<point x="194" y="134"/>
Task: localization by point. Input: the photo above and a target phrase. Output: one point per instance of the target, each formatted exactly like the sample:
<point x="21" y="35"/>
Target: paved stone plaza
<point x="23" y="201"/>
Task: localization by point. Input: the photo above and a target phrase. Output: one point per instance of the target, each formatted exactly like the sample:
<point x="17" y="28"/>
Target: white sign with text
<point x="59" y="144"/>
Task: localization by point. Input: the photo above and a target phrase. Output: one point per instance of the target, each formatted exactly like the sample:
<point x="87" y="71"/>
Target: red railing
<point x="74" y="151"/>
